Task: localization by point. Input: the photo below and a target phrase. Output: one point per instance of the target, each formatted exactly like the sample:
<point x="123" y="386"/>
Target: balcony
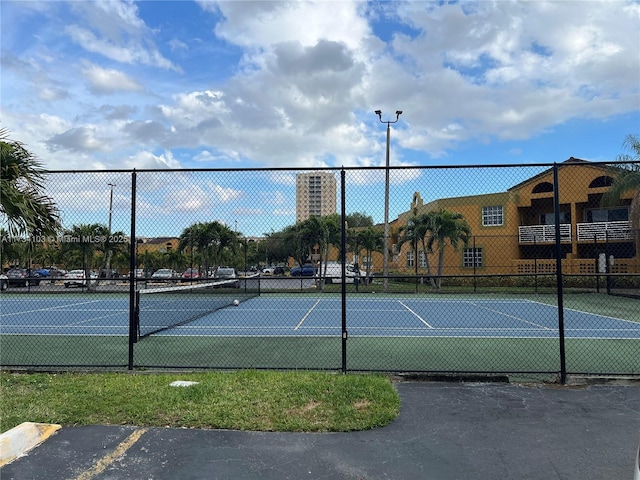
<point x="604" y="231"/>
<point x="543" y="233"/>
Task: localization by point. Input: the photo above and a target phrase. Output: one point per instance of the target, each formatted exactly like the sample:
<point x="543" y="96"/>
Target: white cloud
<point x="104" y="81"/>
<point x="307" y="76"/>
<point x="147" y="160"/>
<point x="260" y="24"/>
<point x="115" y="30"/>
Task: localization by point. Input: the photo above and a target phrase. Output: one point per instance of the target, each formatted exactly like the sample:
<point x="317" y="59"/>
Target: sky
<point x="104" y="85"/>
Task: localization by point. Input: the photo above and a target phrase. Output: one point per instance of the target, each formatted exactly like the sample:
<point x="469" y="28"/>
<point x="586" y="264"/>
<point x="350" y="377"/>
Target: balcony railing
<point x="605" y="231"/>
<point x="543" y="233"/>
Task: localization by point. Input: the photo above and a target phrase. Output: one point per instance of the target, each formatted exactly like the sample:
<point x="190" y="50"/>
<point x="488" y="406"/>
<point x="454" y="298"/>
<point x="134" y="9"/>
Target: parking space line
<point x="108" y="459"/>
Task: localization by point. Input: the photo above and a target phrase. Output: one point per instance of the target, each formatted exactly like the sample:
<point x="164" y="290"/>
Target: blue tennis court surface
<point x="315" y="316"/>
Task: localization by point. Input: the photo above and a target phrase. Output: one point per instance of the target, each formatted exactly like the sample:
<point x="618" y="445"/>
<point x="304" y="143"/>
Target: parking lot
<point x="445" y="431"/>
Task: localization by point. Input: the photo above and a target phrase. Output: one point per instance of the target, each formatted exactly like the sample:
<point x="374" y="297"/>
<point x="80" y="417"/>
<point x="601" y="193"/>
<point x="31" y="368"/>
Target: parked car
<point x="306" y="270"/>
<point x="76" y="278"/>
<point x="227" y="273"/>
<point x="280" y="270"/>
<point x="190" y="274"/>
<point x="137" y="273"/>
<point x="4" y="282"/>
<point x="333" y="273"/>
<point x="23" y="277"/>
<point x="165" y="274"/>
<point x="268" y="270"/>
<point x="55" y="272"/>
<point x="109" y="273"/>
<point x="42" y="272"/>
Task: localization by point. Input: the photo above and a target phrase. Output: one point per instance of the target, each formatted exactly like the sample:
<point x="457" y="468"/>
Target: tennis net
<point x="158" y="309"/>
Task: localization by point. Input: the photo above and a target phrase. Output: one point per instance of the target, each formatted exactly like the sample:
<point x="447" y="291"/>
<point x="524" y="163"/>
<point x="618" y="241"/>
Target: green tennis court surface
<point x="409" y="333"/>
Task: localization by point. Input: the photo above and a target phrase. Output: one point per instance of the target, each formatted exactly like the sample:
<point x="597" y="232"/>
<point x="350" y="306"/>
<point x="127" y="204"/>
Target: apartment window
<point x="471" y="256"/>
<point x="550" y="218"/>
<point x="410" y="258"/>
<point x="619" y="214"/>
<point x="422" y="259"/>
<point x="492" y="216"/>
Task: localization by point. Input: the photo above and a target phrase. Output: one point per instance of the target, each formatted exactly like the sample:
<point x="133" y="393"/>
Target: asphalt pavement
<point x="444" y="431"/>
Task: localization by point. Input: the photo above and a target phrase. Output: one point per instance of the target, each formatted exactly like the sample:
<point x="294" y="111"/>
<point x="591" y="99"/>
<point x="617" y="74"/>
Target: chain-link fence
<point x="488" y="269"/>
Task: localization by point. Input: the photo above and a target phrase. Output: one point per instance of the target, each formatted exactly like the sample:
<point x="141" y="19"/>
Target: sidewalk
<point x="444" y="431"/>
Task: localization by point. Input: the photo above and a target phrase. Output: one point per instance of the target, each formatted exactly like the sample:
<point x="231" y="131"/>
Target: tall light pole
<point x="385" y="265"/>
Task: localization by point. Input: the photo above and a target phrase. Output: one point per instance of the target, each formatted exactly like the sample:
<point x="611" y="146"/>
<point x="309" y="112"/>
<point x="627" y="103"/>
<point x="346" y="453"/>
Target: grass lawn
<point x="242" y="400"/>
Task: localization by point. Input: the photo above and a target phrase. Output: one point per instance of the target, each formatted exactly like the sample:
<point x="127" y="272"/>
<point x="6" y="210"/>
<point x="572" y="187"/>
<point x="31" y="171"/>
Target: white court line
<point x="419" y="317"/>
<point x="306" y="315"/>
<point x="510" y="316"/>
<point x="52" y="308"/>
<point x="584" y="312"/>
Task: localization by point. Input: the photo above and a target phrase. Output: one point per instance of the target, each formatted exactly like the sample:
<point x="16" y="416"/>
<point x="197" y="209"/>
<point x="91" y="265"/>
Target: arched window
<point x="603" y="181"/>
<point x="543" y="187"/>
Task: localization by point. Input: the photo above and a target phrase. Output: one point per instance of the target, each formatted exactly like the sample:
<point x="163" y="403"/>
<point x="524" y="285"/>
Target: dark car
<point x="306" y="270"/>
<point x="109" y="273"/>
<point x="23" y="277"/>
<point x="280" y="271"/>
<point x="4" y="282"/>
<point x="55" y="272"/>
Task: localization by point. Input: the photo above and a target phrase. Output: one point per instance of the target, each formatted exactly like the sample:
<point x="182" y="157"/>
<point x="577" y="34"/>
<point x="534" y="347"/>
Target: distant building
<point x="315" y="194"/>
<point x="514" y="231"/>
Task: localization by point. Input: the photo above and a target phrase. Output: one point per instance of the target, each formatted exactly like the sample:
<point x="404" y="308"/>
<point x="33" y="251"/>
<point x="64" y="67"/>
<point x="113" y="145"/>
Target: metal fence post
<point x="133" y="328"/>
<point x="343" y="258"/>
<point x="556" y="208"/>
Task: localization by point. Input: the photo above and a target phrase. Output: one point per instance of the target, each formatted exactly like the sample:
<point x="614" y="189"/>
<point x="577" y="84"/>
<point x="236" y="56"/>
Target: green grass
<point x="243" y="400"/>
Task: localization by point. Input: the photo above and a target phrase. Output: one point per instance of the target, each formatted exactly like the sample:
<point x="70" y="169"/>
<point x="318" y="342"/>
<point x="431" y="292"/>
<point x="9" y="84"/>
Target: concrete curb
<point x="19" y="440"/>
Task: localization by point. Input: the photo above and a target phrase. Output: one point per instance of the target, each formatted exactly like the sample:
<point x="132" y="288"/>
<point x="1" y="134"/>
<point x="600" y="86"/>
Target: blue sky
<point x="177" y="84"/>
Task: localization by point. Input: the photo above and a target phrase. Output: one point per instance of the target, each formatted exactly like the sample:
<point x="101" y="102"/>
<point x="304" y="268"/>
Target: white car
<point x="76" y="278"/>
<point x="333" y="272"/>
<point x="268" y="270"/>
<point x="165" y="274"/>
<point x="227" y="273"/>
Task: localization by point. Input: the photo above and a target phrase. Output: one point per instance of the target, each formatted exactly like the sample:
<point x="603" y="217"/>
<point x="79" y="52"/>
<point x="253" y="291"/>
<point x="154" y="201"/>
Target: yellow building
<point x="514" y="231"/>
<point x="158" y="244"/>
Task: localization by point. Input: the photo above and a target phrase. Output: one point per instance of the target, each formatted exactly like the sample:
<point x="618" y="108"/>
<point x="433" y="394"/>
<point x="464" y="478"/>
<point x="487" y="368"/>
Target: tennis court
<point x="307" y="315"/>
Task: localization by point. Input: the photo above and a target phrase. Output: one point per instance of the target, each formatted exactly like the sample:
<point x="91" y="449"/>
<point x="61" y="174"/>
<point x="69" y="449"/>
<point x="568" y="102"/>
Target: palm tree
<point x="446" y="227"/>
<point x="81" y="246"/>
<point x="317" y="232"/>
<point x="211" y="241"/>
<point x="190" y="239"/>
<point x="627" y="179"/>
<point x="27" y="210"/>
<point x="13" y="250"/>
<point x="372" y="240"/>
<point x="418" y="233"/>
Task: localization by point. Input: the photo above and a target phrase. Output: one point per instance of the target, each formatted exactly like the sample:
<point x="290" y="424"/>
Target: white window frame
<point x="422" y="259"/>
<point x="410" y="260"/>
<point x="493" y="216"/>
<point x="468" y="257"/>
